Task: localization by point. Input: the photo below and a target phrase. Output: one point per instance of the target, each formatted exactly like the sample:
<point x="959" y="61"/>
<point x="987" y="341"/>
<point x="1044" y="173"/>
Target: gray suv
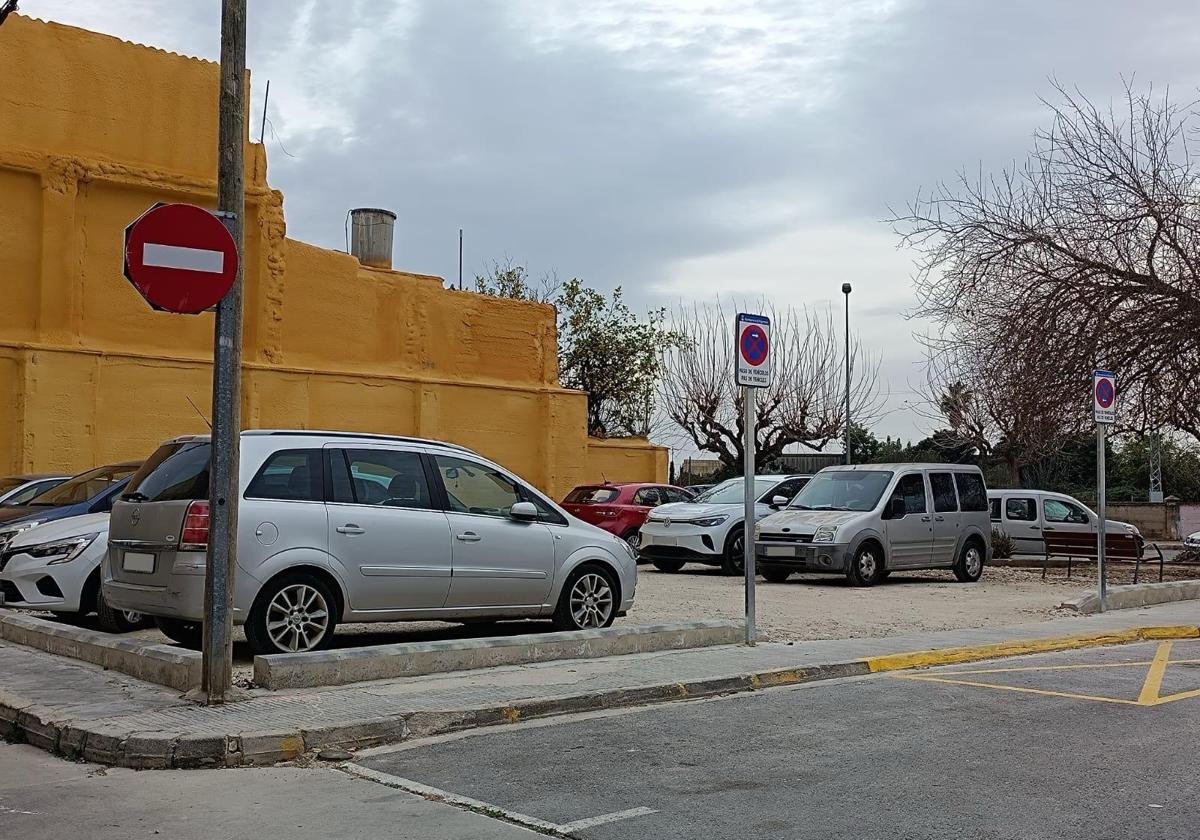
<point x="340" y="527"/>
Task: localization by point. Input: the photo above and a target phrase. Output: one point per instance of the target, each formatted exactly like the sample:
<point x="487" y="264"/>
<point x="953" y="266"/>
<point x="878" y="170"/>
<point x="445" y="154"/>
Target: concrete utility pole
<point x="846" y="291"/>
<point x="227" y="366"/>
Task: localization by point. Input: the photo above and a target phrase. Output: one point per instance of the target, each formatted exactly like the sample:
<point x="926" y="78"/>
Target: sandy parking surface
<point x="819" y="607"/>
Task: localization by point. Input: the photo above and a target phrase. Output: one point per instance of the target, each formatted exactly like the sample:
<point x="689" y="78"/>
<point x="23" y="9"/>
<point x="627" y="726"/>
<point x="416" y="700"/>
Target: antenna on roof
<point x="198" y="411"/>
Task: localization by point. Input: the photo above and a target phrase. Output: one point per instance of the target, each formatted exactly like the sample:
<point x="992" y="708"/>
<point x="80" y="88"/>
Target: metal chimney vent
<point x="371" y="236"/>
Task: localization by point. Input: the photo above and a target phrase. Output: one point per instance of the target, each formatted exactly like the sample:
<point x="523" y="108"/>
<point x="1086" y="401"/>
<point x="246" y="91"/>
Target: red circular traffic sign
<point x="754" y="345"/>
<point x="180" y="258"/>
<point x="1105" y="393"/>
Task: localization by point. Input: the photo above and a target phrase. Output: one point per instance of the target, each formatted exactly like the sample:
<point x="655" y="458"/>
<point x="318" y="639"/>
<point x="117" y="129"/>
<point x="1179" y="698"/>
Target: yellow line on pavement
<point x="1154" y="677"/>
<point x="952" y="656"/>
<point x="1170" y="698"/>
<point x="1051" y="668"/>
<point x="1021" y="689"/>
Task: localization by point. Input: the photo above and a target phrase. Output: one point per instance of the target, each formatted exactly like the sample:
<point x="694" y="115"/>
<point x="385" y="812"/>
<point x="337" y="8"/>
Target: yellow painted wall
<point x="93" y="130"/>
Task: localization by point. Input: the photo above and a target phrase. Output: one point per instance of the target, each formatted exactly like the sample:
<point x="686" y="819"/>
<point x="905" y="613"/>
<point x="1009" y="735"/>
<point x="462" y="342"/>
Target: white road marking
<point x="487" y="808"/>
<point x="604" y="819"/>
<point x="4" y="809"/>
<point x="177" y="256"/>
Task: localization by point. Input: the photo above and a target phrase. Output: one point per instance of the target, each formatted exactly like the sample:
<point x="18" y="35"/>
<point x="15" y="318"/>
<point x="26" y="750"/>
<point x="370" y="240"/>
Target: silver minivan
<point x="340" y="527"/>
<point x="870" y="520"/>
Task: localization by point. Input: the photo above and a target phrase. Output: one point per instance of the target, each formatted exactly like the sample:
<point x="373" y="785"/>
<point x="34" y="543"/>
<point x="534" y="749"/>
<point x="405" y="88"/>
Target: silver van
<point x="870" y="520"/>
<point x="340" y="527"/>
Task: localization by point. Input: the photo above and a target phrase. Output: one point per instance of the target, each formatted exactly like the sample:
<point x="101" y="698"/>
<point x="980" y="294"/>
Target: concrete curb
<point x="1139" y="595"/>
<point x="954" y="656"/>
<point x="162" y="664"/>
<point x="102" y="744"/>
<point x="380" y="662"/>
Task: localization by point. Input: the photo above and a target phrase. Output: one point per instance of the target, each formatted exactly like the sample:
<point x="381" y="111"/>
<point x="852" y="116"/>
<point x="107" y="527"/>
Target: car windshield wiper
<point x="799" y="507"/>
<point x="135" y="496"/>
<point x="829" y="507"/>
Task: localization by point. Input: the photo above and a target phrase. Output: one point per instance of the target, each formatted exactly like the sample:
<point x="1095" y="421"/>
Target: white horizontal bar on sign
<point x="177" y="256"/>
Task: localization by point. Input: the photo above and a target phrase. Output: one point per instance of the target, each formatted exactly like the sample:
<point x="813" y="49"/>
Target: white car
<point x="1192" y="540"/>
<point x="1026" y="515"/>
<point x="56" y="567"/>
<point x="709" y="529"/>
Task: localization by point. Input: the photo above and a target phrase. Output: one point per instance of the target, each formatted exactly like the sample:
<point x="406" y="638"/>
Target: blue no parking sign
<point x="752" y="348"/>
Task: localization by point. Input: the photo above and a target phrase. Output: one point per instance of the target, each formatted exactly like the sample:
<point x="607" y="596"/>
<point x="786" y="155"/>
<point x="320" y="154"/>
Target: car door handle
<point x="926" y="518"/>
<point x="468" y="536"/>
<point x="1038" y="528"/>
<point x="1048" y="528"/>
<point x="939" y="519"/>
<point x="350" y="528"/>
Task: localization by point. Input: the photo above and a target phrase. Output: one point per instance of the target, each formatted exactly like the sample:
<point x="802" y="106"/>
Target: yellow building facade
<point x="94" y="130"/>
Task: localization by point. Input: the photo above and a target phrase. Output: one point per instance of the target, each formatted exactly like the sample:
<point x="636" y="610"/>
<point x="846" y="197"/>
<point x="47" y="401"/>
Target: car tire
<point x="112" y="620"/>
<point x="589" y="599"/>
<point x="775" y="574"/>
<point x="288" y="614"/>
<point x="969" y="566"/>
<point x="188" y="634"/>
<point x="668" y="565"/>
<point x="733" y="560"/>
<point x="866" y="565"/>
<point x="634" y="537"/>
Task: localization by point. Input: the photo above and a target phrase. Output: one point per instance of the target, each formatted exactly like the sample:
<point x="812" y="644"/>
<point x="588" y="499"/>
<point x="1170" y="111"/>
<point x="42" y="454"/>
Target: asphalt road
<point x="1063" y="750"/>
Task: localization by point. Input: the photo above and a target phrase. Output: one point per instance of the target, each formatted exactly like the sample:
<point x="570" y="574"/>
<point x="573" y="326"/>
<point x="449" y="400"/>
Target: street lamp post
<point x="846" y="292"/>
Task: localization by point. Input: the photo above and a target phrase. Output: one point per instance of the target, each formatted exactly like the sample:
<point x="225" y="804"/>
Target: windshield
<point x="731" y="492"/>
<point x="842" y="490"/>
<point x="83" y="487"/>
<point x="591" y="495"/>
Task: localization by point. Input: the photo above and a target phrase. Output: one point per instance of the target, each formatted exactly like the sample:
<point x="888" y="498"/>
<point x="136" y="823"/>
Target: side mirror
<point x="896" y="509"/>
<point x="524" y="512"/>
<point x="779" y="501"/>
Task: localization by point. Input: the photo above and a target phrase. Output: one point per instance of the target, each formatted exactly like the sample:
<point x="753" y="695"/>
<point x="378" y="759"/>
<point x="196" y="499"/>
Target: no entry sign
<point x="752" y="338"/>
<point x="1104" y="397"/>
<point x="180" y="258"/>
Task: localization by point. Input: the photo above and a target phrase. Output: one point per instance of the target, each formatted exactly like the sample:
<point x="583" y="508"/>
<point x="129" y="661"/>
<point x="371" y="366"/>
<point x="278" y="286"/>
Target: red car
<point x="621" y="509"/>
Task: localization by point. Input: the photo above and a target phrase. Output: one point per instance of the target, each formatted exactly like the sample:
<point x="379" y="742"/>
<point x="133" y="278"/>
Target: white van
<point x="870" y="520"/>
<point x="1025" y="516"/>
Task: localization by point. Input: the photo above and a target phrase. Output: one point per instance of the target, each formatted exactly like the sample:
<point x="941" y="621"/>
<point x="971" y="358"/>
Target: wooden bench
<point x="1081" y="545"/>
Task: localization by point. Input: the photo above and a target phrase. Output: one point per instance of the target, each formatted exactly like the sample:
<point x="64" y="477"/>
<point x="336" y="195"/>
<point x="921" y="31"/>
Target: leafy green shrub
<point x="1002" y="545"/>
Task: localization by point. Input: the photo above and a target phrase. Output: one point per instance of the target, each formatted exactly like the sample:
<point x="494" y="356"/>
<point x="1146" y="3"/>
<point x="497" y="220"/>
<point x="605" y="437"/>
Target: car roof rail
<point x="361" y="436"/>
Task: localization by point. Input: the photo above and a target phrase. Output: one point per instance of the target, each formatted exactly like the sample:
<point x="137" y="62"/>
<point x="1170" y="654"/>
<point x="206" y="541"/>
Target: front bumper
<point x="28" y="583"/>
<point x="679" y="541"/>
<point x="802" y="557"/>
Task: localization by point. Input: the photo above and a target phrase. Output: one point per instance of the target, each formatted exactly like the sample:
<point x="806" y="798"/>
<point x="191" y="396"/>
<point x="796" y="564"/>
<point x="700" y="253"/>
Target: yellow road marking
<point x="1021" y="689"/>
<point x="1154" y="677"/>
<point x="1183" y="695"/>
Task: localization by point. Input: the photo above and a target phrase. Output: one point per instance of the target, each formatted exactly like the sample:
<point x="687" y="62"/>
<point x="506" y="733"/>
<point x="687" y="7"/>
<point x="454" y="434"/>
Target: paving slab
<point x="116" y="719"/>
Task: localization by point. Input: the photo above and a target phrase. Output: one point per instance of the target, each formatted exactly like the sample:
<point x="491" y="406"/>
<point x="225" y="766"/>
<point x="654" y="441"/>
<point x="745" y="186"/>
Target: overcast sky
<point x="680" y="149"/>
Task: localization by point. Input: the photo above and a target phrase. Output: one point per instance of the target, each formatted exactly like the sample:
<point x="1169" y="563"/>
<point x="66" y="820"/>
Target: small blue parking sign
<point x="1104" y="397"/>
<point x="752" y="349"/>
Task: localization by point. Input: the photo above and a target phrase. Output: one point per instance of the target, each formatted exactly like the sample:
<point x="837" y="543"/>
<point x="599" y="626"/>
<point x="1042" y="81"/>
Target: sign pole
<point x="217" y="653"/>
<point x="1101" y="528"/>
<point x="748" y="401"/>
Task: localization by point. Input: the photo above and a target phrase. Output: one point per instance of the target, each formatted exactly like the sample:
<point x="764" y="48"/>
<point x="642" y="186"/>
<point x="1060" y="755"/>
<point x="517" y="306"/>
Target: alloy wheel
<point x="297" y="618"/>
<point x="591" y="601"/>
<point x="134" y="617"/>
<point x="867" y="564"/>
<point x="974" y="562"/>
<point x="634" y="538"/>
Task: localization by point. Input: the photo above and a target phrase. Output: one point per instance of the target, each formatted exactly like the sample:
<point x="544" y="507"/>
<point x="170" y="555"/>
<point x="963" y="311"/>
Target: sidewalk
<point x="80" y="710"/>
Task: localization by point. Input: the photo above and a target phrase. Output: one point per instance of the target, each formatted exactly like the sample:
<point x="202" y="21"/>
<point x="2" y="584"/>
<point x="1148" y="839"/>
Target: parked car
<point x="1025" y="515"/>
<point x="621" y="509"/>
<point x="868" y="521"/>
<point x="342" y="527"/>
<point x="1192" y="540"/>
<point x="56" y="567"/>
<point x="16" y="490"/>
<point x="709" y="529"/>
<point x="89" y="492"/>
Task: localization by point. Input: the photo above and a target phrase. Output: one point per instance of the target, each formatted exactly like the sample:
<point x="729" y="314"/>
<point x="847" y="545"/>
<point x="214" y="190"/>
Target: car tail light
<point x="195" y="524"/>
<point x="607" y="512"/>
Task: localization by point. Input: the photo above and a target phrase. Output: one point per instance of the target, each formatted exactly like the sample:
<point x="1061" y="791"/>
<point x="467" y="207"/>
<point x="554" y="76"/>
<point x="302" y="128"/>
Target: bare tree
<point x="1086" y="256"/>
<point x="805" y="403"/>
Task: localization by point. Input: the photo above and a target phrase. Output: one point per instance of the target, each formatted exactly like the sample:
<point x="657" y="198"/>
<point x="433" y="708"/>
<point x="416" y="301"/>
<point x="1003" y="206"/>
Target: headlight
<point x="630" y="551"/>
<point x="710" y="522"/>
<point x="63" y="551"/>
<point x="7" y="534"/>
<point x="825" y="533"/>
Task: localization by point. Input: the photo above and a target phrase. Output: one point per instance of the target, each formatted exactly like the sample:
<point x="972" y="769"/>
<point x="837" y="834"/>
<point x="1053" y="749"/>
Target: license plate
<point x="780" y="551"/>
<point x="133" y="561"/>
<point x="666" y="540"/>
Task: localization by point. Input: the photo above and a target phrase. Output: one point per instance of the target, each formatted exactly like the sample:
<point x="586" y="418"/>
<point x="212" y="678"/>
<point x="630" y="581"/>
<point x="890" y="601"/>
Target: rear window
<point x="972" y="495"/>
<point x="591" y="495"/>
<point x="176" y="471"/>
